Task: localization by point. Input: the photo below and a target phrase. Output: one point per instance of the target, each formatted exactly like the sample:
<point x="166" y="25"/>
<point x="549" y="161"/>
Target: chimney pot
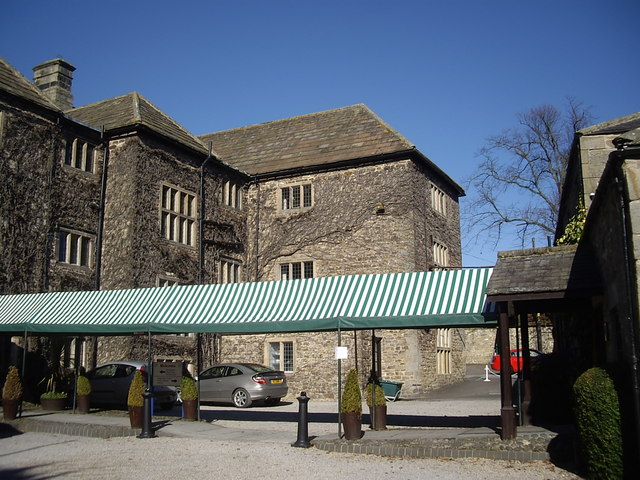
<point x="54" y="79"/>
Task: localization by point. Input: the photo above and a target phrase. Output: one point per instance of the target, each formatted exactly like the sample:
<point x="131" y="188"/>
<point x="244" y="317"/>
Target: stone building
<point x="118" y="195"/>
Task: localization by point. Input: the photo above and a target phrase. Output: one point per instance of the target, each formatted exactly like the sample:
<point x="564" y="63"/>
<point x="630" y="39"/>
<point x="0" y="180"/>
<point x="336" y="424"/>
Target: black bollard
<point x="303" y="424"/>
<point x="147" y="430"/>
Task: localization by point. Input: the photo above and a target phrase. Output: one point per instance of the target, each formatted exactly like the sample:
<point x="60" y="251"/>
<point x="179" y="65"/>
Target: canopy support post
<point x="198" y="367"/>
<point x="339" y="387"/>
<point x="525" y="415"/>
<point x="24" y="368"/>
<point x="507" y="413"/>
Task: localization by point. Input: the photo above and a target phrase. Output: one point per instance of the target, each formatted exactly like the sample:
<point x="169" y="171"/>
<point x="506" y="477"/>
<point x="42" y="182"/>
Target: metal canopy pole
<point x="339" y="387"/>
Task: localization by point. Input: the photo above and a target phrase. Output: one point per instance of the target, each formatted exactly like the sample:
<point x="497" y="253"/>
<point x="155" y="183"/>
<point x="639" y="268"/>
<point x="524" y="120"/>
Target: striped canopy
<point x="402" y="300"/>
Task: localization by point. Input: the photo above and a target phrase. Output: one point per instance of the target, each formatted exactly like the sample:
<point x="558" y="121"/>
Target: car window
<point x="124" y="371"/>
<point x="258" y="368"/>
<point x="214" y="372"/>
<point x="233" y="371"/>
<point x="108" y="371"/>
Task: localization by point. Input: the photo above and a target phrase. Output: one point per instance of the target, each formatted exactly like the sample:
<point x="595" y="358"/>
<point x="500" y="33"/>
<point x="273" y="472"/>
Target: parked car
<point x="110" y="385"/>
<point x="242" y="384"/>
<point x="515" y="359"/>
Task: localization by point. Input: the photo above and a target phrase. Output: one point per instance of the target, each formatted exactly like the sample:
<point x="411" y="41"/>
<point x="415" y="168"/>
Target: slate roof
<point x="132" y="110"/>
<point x="552" y="272"/>
<point x="616" y="125"/>
<point x="16" y="84"/>
<point x="322" y="138"/>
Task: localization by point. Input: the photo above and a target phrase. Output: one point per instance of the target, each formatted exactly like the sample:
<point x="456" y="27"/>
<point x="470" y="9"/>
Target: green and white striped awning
<point x="402" y="300"/>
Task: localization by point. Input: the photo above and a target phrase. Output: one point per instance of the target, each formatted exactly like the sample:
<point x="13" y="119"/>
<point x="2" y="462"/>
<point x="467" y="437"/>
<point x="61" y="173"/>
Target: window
<point x="80" y="155"/>
<point x="162" y="281"/>
<point x="281" y="356"/>
<point x="440" y="255"/>
<point x="438" y="200"/>
<point x="178" y="222"/>
<point x="232" y="195"/>
<point x="75" y="248"/>
<point x="443" y="351"/>
<point x="296" y="197"/>
<point x="296" y="270"/>
<point x="229" y="271"/>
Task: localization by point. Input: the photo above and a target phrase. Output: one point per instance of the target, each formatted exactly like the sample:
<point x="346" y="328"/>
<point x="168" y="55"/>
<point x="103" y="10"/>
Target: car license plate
<point x="279" y="380"/>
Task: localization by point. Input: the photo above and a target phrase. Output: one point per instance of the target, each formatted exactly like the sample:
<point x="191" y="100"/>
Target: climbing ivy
<point x="573" y="230"/>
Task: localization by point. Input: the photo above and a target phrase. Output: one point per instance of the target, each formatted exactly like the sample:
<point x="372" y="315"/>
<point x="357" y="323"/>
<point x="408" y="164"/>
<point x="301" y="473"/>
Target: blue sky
<point x="445" y="74"/>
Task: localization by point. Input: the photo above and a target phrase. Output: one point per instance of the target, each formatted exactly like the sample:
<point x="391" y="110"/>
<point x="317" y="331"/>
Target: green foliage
<point x="597" y="413"/>
<point x="188" y="389"/>
<point x="351" y="396"/>
<point x="12" y="389"/>
<point x="83" y="386"/>
<point x="136" y="390"/>
<point x="573" y="230"/>
<point x="378" y="400"/>
<point x="54" y="395"/>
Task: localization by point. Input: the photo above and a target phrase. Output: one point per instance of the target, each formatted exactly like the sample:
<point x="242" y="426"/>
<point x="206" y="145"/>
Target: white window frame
<point x="166" y="281"/>
<point x="443" y="351"/>
<point x="438" y="200"/>
<point x="229" y="271"/>
<point x="284" y="359"/>
<point x="179" y="215"/>
<point x="296" y="270"/>
<point x="296" y="198"/>
<point x="80" y="155"/>
<point x="75" y="248"/>
<point x="440" y="255"/>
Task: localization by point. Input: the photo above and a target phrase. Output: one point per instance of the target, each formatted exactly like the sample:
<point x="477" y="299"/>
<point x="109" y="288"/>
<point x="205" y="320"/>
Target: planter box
<point x="53" y="404"/>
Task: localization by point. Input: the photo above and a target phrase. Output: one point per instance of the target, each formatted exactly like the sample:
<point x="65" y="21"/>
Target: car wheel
<point x="272" y="401"/>
<point x="241" y="398"/>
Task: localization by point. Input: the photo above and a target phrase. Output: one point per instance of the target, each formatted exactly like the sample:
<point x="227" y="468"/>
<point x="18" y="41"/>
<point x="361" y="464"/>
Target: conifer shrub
<point x="597" y="416"/>
<point x="188" y="389"/>
<point x="12" y="389"/>
<point x="351" y="396"/>
<point x="137" y="388"/>
<point x="378" y="399"/>
<point x="84" y="386"/>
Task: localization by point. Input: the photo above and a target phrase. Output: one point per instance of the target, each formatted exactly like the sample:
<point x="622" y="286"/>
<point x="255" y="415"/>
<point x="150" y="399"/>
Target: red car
<point x="515" y="360"/>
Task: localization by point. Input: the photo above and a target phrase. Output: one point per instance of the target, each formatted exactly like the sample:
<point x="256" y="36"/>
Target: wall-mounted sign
<point x="168" y="374"/>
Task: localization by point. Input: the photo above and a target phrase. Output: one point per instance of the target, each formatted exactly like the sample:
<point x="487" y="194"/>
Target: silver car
<point x="110" y="385"/>
<point x="242" y="384"/>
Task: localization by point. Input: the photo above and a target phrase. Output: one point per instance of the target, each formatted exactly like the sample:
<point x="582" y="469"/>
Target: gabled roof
<point x="322" y="138"/>
<point x="616" y="125"/>
<point x="16" y="84"/>
<point x="132" y="110"/>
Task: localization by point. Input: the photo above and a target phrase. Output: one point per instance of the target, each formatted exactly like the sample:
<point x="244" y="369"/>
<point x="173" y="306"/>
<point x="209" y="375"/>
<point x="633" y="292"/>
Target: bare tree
<point x="520" y="178"/>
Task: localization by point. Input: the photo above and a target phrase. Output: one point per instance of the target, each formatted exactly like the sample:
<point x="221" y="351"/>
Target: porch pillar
<point x="507" y="412"/>
<point x="525" y="414"/>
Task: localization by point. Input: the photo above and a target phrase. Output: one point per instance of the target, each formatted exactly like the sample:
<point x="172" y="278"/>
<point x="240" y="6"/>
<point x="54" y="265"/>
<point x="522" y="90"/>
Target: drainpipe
<point x="201" y="222"/>
<point x="620" y="155"/>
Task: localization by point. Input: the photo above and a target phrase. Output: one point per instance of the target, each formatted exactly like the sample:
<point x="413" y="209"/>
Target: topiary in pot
<point x="189" y="397"/>
<point x="11" y="393"/>
<point x="378" y="399"/>
<point x="83" y="393"/>
<point x="351" y="407"/>
<point x="597" y="415"/>
<point x="374" y="396"/>
<point x="135" y="400"/>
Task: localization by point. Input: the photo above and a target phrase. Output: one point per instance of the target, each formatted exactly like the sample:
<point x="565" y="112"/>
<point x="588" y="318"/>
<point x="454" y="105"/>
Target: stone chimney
<point x="54" y="79"/>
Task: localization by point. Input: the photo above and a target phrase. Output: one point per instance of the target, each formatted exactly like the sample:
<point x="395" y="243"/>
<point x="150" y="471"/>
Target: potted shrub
<point x="83" y="394"/>
<point x="351" y="407"/>
<point x="374" y="396"/>
<point x="189" y="397"/>
<point x="52" y="399"/>
<point x="135" y="400"/>
<point x="11" y="394"/>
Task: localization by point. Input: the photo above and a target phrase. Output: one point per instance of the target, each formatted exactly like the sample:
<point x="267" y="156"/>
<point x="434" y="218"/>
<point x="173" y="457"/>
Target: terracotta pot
<point x="136" y="415"/>
<point x="53" y="404"/>
<point x="352" y="423"/>
<point x="190" y="409"/>
<point x="83" y="403"/>
<point x="378" y="417"/>
<point x="10" y="408"/>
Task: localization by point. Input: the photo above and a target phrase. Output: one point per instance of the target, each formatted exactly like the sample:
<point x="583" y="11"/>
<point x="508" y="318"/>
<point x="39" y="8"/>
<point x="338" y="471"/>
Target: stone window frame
<point x="440" y="255"/>
<point x="443" y="351"/>
<point x="287" y="202"/>
<point x="80" y="155"/>
<point x="78" y="249"/>
<point x="178" y="215"/>
<point x="303" y="266"/>
<point x="227" y="265"/>
<point x="231" y="194"/>
<point x="438" y="200"/>
<point x="283" y="344"/>
<point x="167" y="281"/>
